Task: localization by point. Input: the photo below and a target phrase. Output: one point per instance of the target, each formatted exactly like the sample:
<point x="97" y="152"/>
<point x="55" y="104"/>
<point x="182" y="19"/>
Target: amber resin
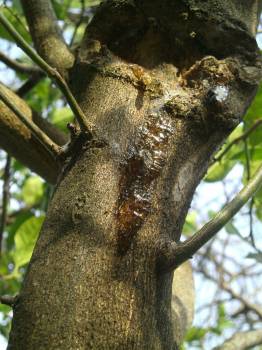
<point x="142" y="165"/>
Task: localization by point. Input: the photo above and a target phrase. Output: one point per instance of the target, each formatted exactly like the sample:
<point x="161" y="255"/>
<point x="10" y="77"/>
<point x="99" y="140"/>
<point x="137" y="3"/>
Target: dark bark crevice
<point x="150" y="33"/>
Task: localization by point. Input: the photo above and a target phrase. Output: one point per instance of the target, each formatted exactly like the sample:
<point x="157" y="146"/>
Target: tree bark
<point x="163" y="83"/>
<point x="18" y="140"/>
<point x="46" y="34"/>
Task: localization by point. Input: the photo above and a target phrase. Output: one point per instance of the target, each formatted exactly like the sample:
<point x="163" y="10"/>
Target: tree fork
<point x="162" y="91"/>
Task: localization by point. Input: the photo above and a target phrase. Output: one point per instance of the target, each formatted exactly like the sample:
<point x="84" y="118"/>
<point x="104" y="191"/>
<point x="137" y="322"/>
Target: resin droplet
<point x="142" y="165"/>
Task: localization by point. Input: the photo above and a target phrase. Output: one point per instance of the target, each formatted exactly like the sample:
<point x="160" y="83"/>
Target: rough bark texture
<point x="46" y="33"/>
<point x="163" y="83"/>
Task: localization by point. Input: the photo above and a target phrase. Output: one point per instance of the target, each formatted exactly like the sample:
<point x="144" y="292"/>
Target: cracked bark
<point x="163" y="84"/>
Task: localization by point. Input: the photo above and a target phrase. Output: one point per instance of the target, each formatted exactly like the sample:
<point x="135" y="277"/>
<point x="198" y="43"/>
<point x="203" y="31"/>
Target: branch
<point x="172" y="254"/>
<point x="250" y="211"/>
<point x="248" y="305"/>
<point x="17" y="140"/>
<point x="8" y="300"/>
<point x="50" y="146"/>
<point x="17" y="66"/>
<point x="242" y="341"/>
<point x="57" y="136"/>
<point x="29" y="84"/>
<point x="5" y="198"/>
<point x="46" y="34"/>
<point x="51" y="72"/>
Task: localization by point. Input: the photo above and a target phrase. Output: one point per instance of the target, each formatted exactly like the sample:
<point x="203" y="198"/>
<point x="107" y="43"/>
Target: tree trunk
<point x="162" y="83"/>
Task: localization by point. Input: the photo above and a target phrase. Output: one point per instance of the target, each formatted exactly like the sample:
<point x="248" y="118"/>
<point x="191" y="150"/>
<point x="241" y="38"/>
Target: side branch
<point x="5" y="198"/>
<point x="173" y="254"/>
<point x="29" y="84"/>
<point x="8" y="300"/>
<point x="17" y="140"/>
<point x="51" y="72"/>
<point x="17" y="66"/>
<point x="46" y="34"/>
<point x="242" y="341"/>
<point x="50" y="146"/>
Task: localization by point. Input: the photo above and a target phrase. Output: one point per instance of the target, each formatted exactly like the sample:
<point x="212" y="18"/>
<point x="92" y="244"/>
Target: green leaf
<point x="61" y="8"/>
<point x="43" y="96"/>
<point x="196" y="333"/>
<point x="223" y="322"/>
<point x="4" y="263"/>
<point x="25" y="239"/>
<point x="5" y="329"/>
<point x="219" y="170"/>
<point x="61" y="117"/>
<point x="16" y="4"/>
<point x="190" y="225"/>
<point x="231" y="228"/>
<point x="254" y="165"/>
<point x="255" y="110"/>
<point x="256" y="152"/>
<point x="11" y="229"/>
<point x="256" y="136"/>
<point x="17" y="20"/>
<point x="255" y="256"/>
<point x="32" y="190"/>
<point x="221" y="312"/>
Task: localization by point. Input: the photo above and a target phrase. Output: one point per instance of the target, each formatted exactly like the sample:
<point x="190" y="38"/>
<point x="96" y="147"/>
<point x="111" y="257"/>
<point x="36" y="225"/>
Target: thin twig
<point x="51" y="147"/>
<point x="250" y="306"/>
<point x="251" y="233"/>
<point x="51" y="72"/>
<point x="29" y="84"/>
<point x="250" y="211"/>
<point x="226" y="286"/>
<point x="5" y="198"/>
<point x="242" y="137"/>
<point x="242" y="341"/>
<point x="18" y="66"/>
<point x="17" y="18"/>
<point x="172" y="254"/>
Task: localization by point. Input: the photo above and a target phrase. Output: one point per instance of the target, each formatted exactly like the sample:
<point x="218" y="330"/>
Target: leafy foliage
<point x="25" y="239"/>
<point x="242" y="150"/>
<point x="195" y="335"/>
<point x="243" y="147"/>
